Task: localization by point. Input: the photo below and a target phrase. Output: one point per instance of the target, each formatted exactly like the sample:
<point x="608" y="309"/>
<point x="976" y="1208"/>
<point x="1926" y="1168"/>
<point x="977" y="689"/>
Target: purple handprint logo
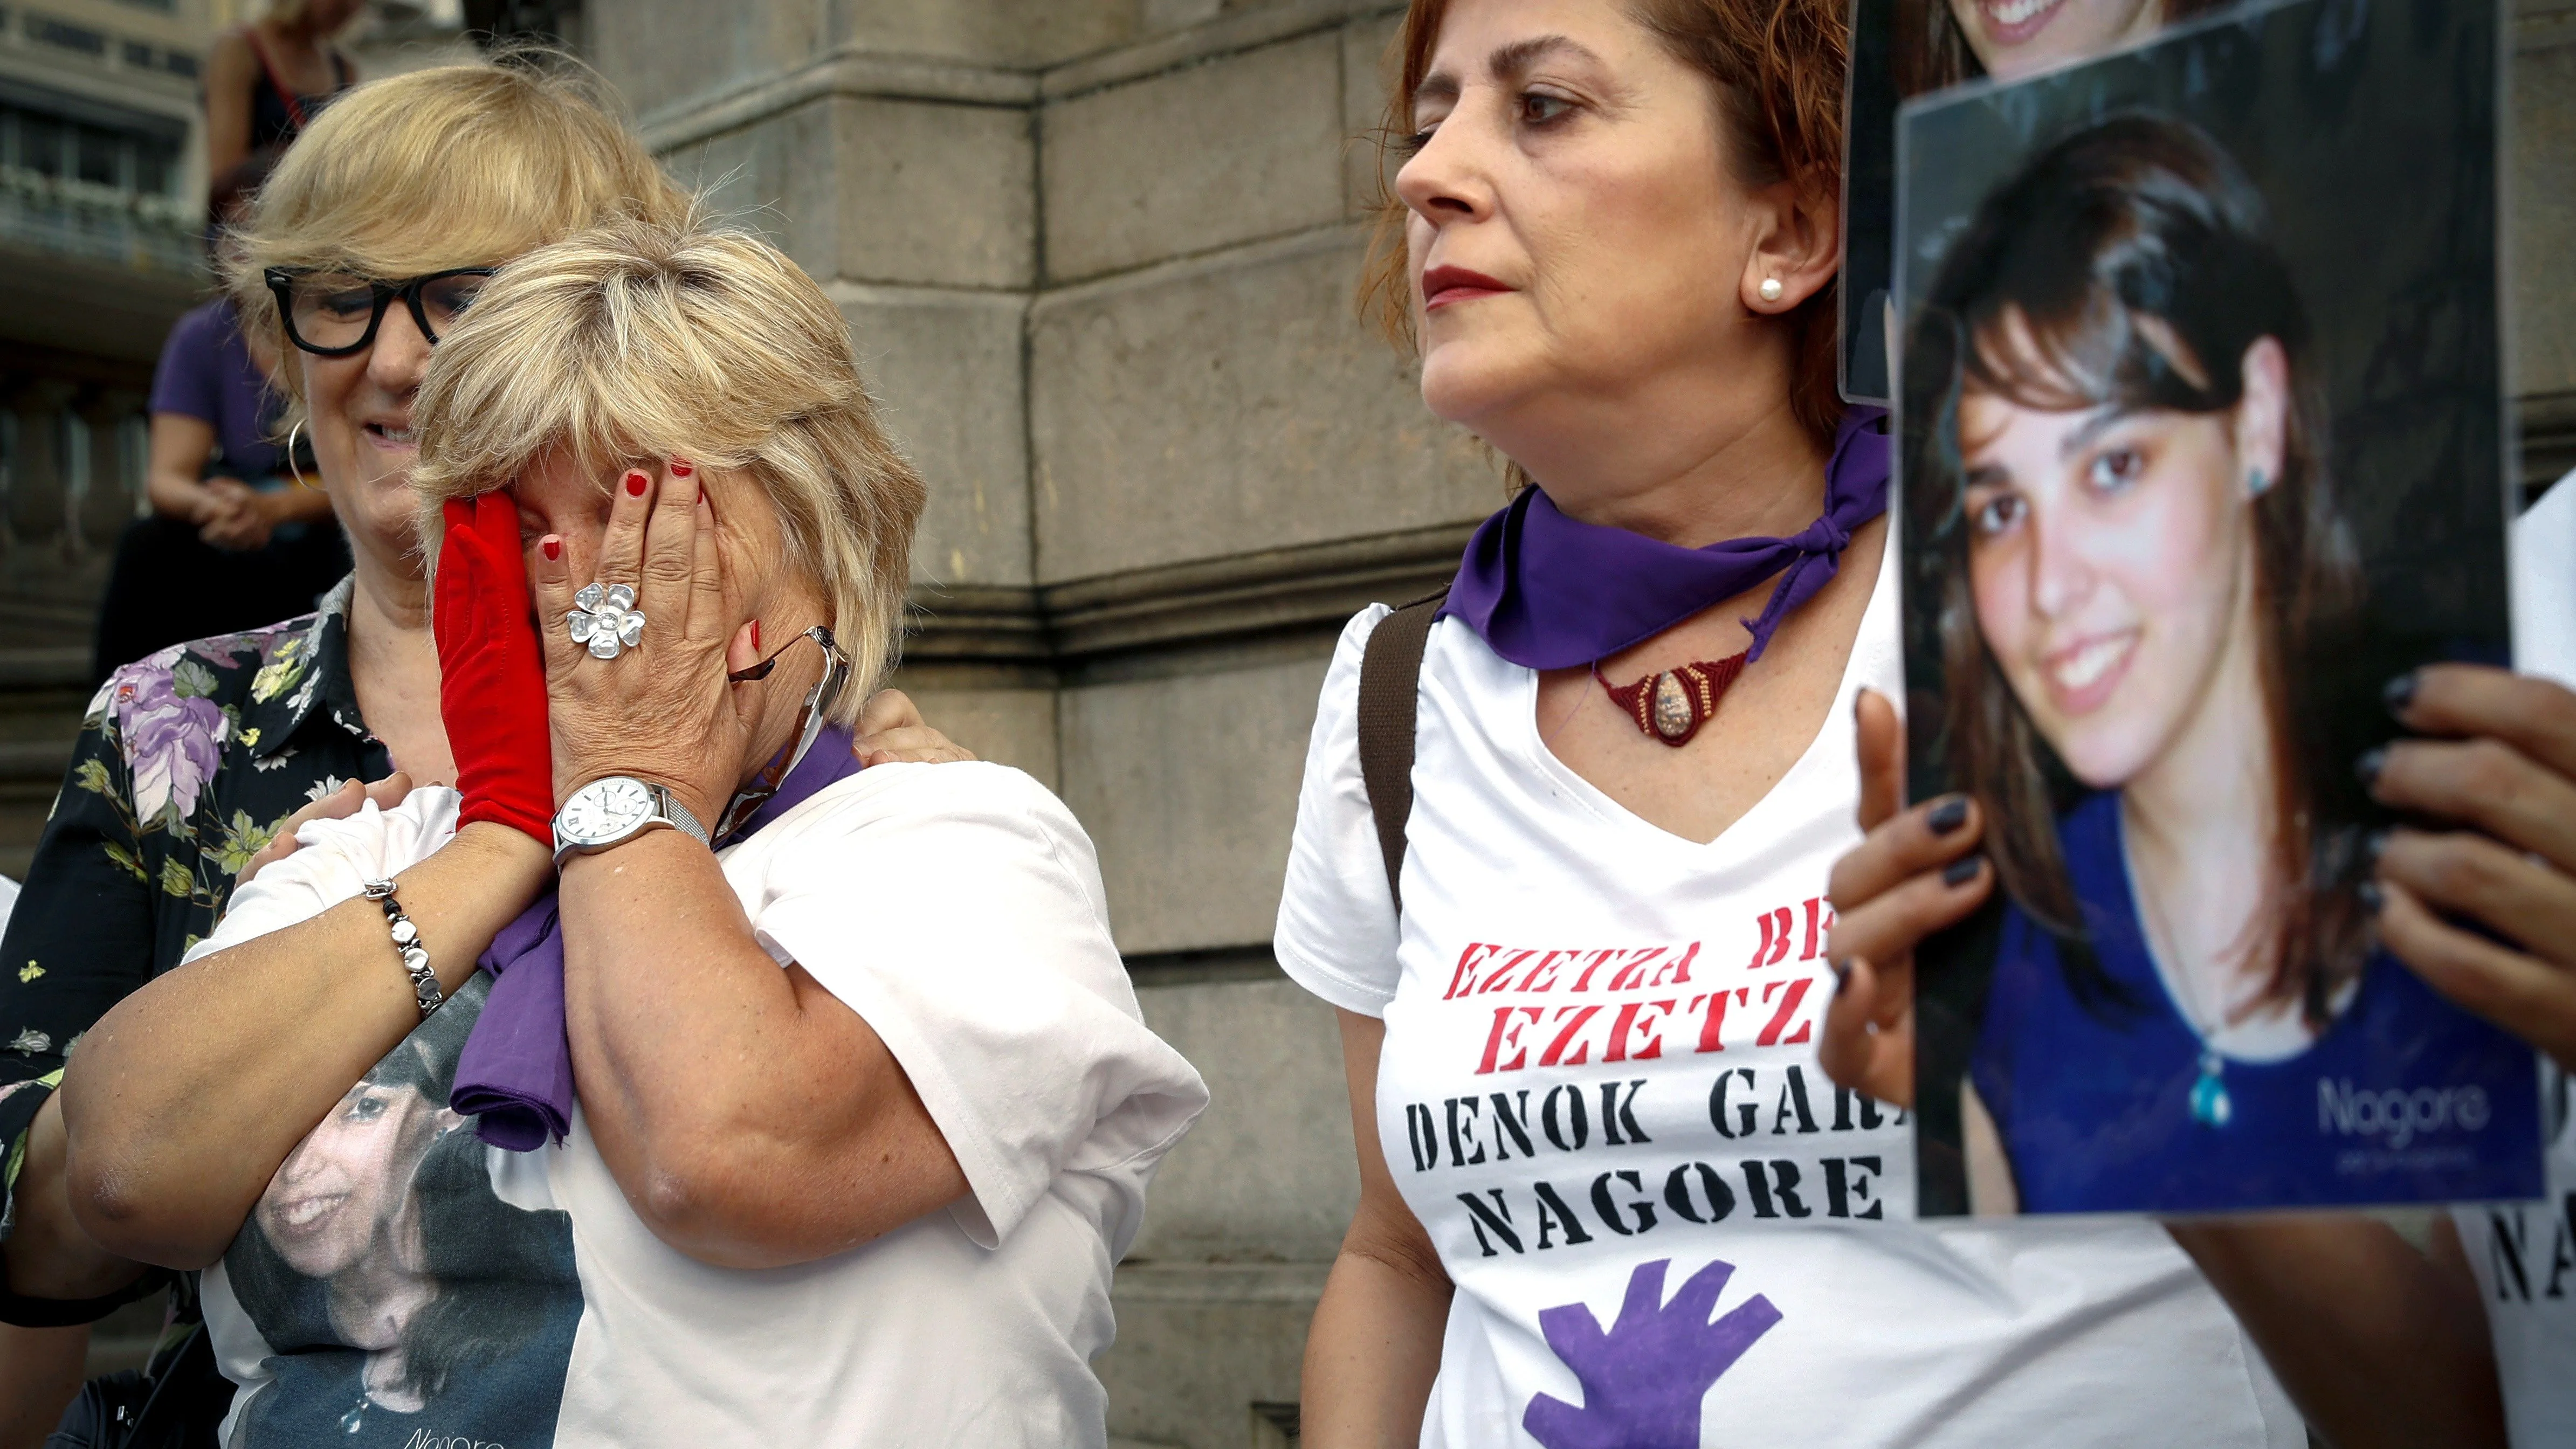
<point x="1644" y="1379"/>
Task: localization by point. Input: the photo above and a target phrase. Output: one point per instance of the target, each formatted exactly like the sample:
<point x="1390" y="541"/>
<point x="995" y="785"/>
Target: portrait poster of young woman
<point x="2183" y="496"/>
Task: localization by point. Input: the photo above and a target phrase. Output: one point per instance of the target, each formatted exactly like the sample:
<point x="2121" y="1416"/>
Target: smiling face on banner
<point x="2015" y="38"/>
<point x="344" y="1182"/>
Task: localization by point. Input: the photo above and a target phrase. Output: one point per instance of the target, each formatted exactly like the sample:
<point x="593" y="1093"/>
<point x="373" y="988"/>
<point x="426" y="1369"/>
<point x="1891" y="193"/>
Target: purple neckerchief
<point x="515" y="1074"/>
<point x="1546" y="592"/>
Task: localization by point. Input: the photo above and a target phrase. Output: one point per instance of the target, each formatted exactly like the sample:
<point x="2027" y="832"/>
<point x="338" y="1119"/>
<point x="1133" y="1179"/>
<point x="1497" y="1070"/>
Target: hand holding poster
<point x="2188" y="476"/>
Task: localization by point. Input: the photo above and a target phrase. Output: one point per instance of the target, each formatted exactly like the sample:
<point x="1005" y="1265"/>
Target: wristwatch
<point x="614" y="810"/>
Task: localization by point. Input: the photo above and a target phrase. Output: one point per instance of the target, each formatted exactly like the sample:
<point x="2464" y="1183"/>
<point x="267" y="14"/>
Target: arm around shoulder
<point x="186" y="1098"/>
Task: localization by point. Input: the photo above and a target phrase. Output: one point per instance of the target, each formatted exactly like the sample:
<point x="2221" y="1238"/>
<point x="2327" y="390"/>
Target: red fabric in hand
<point x="492" y="670"/>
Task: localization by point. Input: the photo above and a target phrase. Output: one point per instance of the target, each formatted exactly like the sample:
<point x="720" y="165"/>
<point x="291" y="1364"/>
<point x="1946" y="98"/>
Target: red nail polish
<point x="755" y="636"/>
<point x="551" y="547"/>
<point x="680" y="468"/>
<point x="636" y="483"/>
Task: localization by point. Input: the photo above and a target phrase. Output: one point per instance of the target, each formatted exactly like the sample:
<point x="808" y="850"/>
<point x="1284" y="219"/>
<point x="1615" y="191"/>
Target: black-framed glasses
<point x="333" y="314"/>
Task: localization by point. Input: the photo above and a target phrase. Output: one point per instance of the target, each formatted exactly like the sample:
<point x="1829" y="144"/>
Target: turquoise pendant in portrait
<point x="2209" y="1104"/>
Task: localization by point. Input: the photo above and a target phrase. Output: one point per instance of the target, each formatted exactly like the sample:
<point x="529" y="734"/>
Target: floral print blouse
<point x="187" y="763"/>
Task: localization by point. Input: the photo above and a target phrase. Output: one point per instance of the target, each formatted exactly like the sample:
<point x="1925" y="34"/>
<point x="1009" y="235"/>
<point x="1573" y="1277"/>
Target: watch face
<point x="605" y="810"/>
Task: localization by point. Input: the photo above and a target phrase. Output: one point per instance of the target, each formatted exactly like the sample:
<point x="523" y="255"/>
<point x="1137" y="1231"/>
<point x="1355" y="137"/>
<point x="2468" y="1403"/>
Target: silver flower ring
<point x="607" y="620"/>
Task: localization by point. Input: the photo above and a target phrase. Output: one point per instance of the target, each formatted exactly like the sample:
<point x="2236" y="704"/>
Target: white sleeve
<point x="1337" y="921"/>
<point x="332" y="860"/>
<point x="958" y="910"/>
<point x="2544" y="585"/>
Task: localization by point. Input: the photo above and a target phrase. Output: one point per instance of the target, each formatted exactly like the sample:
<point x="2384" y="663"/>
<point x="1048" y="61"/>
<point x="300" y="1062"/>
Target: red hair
<point x="1777" y="67"/>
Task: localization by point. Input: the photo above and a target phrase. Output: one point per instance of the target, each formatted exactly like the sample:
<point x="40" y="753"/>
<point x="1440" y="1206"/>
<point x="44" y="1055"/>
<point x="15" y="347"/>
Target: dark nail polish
<point x="2372" y="897"/>
<point x="552" y="548"/>
<point x="1963" y="870"/>
<point x="2398" y="693"/>
<point x="2369" y="766"/>
<point x="636" y="483"/>
<point x="1842" y="973"/>
<point x="1949" y="815"/>
<point x="2374" y="845"/>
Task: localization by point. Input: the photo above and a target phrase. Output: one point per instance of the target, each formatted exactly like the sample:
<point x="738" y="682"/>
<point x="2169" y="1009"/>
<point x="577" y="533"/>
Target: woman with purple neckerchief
<point x="1576" y="933"/>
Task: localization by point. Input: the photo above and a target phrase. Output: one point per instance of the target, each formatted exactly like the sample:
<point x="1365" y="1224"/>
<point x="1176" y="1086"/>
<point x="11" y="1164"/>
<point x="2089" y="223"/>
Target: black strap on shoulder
<point x="1390" y="695"/>
<point x="23" y="1312"/>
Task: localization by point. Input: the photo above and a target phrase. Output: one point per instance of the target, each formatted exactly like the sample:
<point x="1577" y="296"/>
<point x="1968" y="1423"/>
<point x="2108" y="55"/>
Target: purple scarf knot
<point x="514" y="1076"/>
<point x="1547" y="592"/>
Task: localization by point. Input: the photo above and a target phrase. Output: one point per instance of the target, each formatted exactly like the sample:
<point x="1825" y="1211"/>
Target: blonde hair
<point x="456" y="166"/>
<point x="641" y="341"/>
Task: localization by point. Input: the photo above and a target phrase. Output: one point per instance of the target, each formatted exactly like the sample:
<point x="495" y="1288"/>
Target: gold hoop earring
<point x="292" y="471"/>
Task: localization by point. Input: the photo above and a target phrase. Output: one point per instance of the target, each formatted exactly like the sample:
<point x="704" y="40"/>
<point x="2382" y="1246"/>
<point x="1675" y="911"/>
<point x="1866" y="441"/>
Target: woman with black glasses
<point x="201" y="760"/>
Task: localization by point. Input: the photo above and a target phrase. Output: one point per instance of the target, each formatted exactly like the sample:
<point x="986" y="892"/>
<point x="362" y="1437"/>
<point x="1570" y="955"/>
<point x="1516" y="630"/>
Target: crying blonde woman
<point x="851" y="1103"/>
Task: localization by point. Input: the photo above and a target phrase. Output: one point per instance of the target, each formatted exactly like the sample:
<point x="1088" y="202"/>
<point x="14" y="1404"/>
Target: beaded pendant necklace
<point x="2209" y="1104"/>
<point x="1671" y="706"/>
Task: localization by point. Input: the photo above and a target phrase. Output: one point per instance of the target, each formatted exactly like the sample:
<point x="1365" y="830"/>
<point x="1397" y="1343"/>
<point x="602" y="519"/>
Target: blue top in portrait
<point x="2114" y="1105"/>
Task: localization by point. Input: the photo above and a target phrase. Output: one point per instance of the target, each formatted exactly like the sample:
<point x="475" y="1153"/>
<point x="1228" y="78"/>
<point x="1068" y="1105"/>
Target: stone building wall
<point x="1099" y="257"/>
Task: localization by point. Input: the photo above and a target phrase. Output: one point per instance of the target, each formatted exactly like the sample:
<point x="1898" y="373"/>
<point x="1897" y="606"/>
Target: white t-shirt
<point x="1600" y="1088"/>
<point x="2524" y="1254"/>
<point x="402" y="1283"/>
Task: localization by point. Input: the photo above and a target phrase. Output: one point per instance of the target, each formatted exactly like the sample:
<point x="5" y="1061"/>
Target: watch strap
<point x="667" y="809"/>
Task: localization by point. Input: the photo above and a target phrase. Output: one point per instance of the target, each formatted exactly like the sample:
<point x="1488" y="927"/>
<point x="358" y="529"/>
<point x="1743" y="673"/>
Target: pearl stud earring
<point x="1770" y="289"/>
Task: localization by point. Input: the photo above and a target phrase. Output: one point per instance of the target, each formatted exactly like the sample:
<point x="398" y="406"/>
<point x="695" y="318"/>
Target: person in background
<point x="230" y="543"/>
<point x="267" y="80"/>
<point x="1606" y="1195"/>
<point x="203" y="760"/>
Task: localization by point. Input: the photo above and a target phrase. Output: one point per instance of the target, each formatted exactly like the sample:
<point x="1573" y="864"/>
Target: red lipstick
<point x="1443" y="286"/>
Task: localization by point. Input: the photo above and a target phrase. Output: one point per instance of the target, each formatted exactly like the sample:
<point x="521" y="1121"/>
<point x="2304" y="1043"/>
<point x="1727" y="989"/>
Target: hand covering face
<point x="492" y="671"/>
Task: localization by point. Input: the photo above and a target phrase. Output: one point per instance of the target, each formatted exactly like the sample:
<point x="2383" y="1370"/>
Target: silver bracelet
<point x="424" y="982"/>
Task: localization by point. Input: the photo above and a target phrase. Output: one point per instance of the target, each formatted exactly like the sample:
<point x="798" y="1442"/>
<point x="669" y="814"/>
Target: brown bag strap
<point x="1390" y="697"/>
